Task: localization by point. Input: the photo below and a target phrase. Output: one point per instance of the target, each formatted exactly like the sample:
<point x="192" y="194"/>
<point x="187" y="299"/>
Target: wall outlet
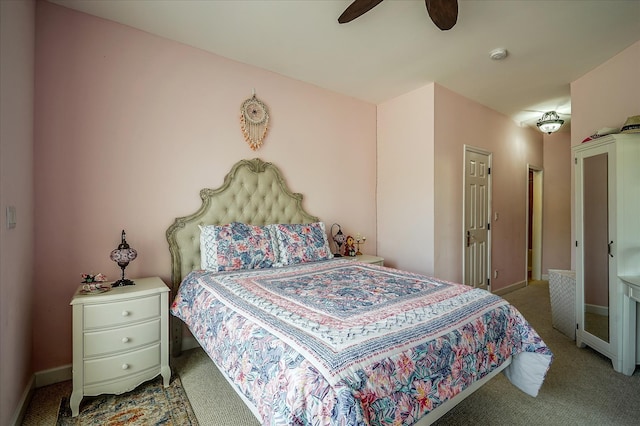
<point x="495" y="273"/>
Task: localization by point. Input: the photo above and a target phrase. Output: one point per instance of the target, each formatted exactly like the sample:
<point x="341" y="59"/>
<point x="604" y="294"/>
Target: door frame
<point x="536" y="234"/>
<point x="489" y="154"/>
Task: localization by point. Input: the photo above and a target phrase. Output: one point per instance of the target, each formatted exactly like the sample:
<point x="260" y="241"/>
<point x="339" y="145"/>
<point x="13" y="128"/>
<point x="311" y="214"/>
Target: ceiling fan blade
<point x="356" y="9"/>
<point x="443" y="13"/>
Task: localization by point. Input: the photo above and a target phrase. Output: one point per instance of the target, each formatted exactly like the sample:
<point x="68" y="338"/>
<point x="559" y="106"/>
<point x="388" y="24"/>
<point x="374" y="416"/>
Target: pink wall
<point x="405" y="181"/>
<point x="17" y="35"/>
<point x="556" y="203"/>
<point x="129" y="128"/>
<point x="607" y="95"/>
<point x="421" y="138"/>
<point x="16" y="189"/>
<point x="460" y="121"/>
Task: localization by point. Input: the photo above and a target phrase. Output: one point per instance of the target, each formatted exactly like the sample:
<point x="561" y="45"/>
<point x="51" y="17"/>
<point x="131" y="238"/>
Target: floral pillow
<point x="302" y="243"/>
<point x="237" y="246"/>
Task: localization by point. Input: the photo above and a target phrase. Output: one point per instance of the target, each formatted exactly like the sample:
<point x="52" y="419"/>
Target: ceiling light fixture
<point x="550" y="122"/>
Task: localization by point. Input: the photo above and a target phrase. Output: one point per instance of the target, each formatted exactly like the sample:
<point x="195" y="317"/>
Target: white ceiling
<point x="395" y="47"/>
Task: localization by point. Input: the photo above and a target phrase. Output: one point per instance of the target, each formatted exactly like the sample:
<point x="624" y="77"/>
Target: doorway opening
<point x="534" y="224"/>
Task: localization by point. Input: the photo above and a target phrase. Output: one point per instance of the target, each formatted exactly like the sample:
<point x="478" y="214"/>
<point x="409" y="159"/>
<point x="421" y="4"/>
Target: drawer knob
<point x="125" y="366"/>
<point x="125" y="340"/>
<point x="125" y="313"/>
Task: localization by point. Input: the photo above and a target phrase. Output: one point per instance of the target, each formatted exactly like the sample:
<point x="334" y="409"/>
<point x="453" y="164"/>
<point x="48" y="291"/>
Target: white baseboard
<point x="38" y="380"/>
<point x="53" y="375"/>
<point x="508" y="289"/>
<point x="597" y="309"/>
<point x="21" y="409"/>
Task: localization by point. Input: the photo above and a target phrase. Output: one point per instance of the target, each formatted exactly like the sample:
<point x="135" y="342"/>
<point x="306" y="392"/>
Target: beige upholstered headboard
<point x="253" y="192"/>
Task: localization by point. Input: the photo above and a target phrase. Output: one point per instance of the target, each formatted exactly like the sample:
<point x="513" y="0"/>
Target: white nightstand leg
<point x="166" y="375"/>
<point x="165" y="370"/>
<point x="74" y="402"/>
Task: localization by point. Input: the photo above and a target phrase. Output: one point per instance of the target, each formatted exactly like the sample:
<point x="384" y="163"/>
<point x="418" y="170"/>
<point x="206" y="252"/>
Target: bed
<point x="305" y="338"/>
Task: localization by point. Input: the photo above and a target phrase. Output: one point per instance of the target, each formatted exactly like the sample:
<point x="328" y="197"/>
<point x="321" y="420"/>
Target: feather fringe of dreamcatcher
<point x="254" y="131"/>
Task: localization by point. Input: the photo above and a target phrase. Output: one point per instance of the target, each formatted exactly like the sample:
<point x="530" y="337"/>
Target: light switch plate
<point x="11" y="217"/>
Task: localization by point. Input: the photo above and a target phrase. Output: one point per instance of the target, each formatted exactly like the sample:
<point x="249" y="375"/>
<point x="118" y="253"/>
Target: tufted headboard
<point x="253" y="192"/>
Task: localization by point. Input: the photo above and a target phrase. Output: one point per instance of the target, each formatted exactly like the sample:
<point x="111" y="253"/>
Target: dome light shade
<point x="550" y="122"/>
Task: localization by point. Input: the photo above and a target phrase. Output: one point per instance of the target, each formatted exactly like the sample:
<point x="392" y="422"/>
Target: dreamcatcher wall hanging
<point x="254" y="121"/>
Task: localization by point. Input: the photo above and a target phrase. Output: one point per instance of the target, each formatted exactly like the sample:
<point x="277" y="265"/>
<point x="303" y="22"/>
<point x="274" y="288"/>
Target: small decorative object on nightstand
<point x="359" y="240"/>
<point x="349" y="246"/>
<point x="123" y="255"/>
<point x="94" y="283"/>
<point x="120" y="339"/>
<point x="338" y="238"/>
<point x="93" y="278"/>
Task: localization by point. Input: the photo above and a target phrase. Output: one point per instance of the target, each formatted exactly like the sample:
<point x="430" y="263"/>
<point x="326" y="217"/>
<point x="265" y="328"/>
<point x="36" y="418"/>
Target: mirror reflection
<point x="596" y="240"/>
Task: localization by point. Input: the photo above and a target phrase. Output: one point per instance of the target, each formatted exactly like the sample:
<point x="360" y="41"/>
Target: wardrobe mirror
<point x="596" y="246"/>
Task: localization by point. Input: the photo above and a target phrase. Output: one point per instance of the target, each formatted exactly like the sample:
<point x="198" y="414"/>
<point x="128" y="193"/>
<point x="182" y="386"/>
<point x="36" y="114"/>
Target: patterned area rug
<point x="148" y="404"/>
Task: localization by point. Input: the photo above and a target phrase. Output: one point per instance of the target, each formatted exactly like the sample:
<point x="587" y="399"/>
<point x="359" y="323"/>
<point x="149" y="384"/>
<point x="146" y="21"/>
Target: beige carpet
<point x="217" y="404"/>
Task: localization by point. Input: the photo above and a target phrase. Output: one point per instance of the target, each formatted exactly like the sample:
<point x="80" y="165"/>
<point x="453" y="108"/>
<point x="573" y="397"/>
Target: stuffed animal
<point x="350" y="246"/>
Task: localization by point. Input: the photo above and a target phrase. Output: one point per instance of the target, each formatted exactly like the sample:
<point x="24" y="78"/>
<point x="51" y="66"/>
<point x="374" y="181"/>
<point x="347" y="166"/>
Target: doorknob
<point x="609" y="248"/>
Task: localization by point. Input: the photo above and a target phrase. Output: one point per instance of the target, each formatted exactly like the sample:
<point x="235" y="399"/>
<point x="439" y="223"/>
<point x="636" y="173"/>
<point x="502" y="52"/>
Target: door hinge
<point x="488" y="282"/>
<point x="488" y="227"/>
<point x="575" y="160"/>
<point x="576" y="243"/>
<point x="489" y="171"/>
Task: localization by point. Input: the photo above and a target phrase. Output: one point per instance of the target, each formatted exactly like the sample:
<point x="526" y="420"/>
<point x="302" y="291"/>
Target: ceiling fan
<point x="443" y="13"/>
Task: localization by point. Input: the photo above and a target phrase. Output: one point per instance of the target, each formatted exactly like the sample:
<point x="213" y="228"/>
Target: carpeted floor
<point x="581" y="387"/>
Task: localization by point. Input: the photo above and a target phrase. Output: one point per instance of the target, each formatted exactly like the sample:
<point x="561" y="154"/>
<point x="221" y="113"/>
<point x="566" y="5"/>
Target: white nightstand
<point x="120" y="339"/>
<point x="367" y="258"/>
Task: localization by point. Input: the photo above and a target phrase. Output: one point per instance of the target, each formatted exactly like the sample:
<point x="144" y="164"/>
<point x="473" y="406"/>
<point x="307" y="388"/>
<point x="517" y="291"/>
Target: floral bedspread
<point x="347" y="343"/>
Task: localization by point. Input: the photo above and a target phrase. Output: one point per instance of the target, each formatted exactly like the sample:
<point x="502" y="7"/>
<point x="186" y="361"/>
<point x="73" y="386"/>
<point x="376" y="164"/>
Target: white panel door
<point x="476" y="218"/>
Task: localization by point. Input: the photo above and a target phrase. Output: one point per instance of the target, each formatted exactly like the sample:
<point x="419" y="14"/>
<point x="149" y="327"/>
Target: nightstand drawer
<point x="121" y="339"/>
<point x="114" y="367"/>
<point x="128" y="311"/>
